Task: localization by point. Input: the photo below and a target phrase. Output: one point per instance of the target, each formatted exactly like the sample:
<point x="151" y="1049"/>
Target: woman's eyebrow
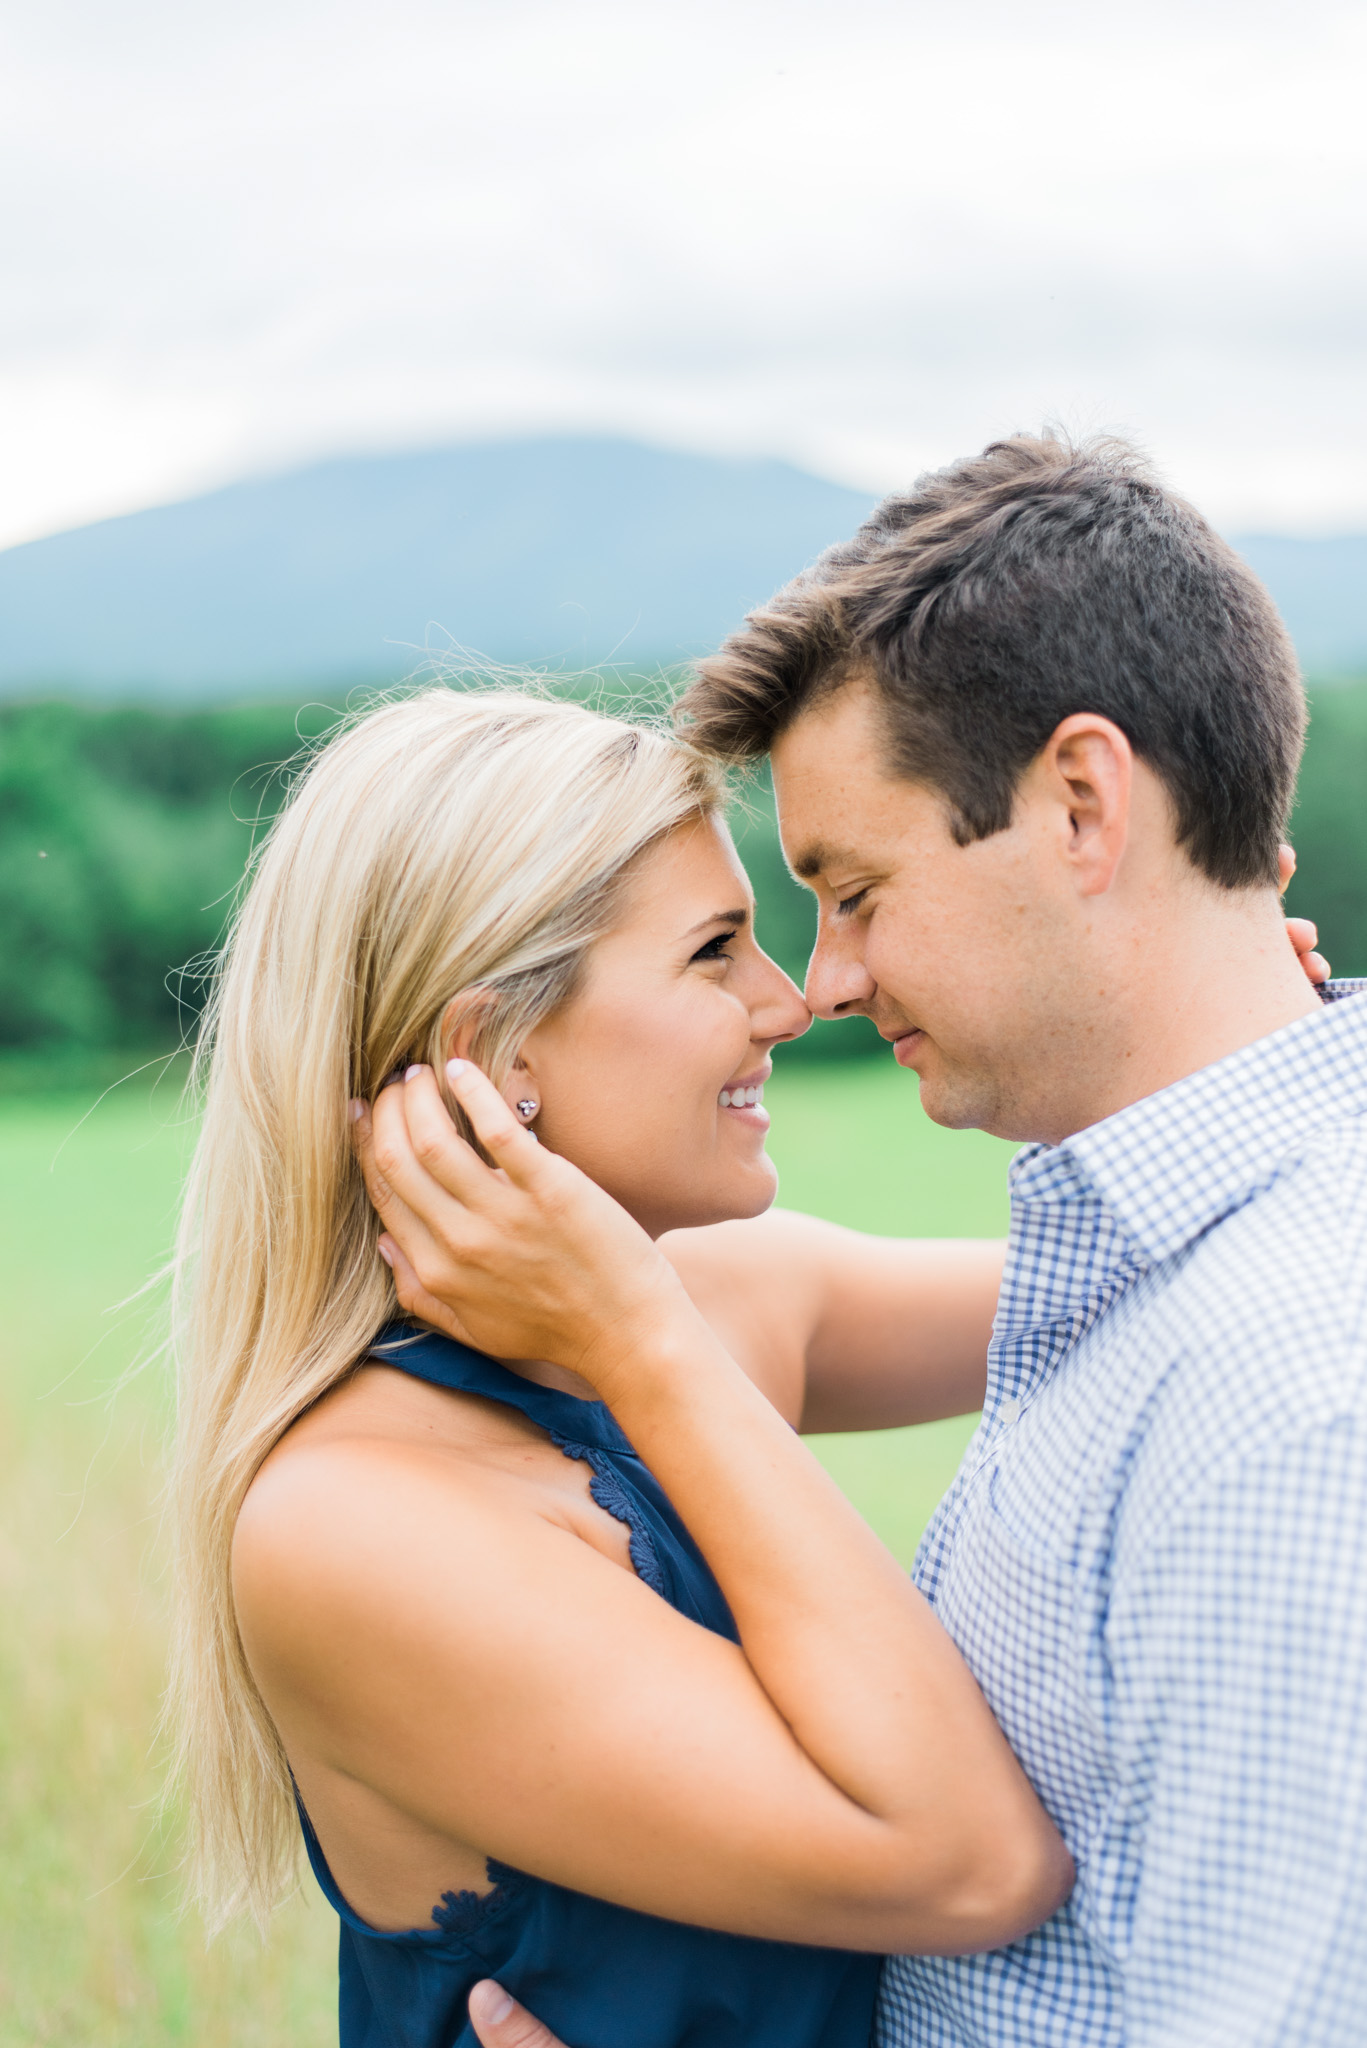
<point x="720" y="917"/>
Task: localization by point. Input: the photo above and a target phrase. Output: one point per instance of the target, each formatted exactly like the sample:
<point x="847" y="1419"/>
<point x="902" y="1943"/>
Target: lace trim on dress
<point x="607" y="1489"/>
<point x="461" y="1913"/>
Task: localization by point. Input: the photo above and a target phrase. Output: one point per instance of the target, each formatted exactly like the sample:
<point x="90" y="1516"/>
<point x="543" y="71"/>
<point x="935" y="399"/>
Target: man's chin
<point x="948" y="1099"/>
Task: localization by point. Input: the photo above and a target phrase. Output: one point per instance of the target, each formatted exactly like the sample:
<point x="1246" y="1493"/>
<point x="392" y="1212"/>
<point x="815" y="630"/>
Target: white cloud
<point x="866" y="238"/>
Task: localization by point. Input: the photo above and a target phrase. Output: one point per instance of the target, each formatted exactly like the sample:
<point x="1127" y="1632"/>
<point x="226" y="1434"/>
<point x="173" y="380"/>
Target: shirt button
<point x="1009" y="1409"/>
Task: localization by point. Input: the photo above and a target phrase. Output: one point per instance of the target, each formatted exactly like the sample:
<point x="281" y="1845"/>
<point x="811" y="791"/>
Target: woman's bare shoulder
<point x="350" y="1513"/>
<point x="338" y="1500"/>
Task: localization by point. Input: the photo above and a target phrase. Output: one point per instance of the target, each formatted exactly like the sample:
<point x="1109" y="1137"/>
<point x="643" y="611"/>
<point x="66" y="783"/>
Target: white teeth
<point x="724" y="1099"/>
<point x="740" y="1098"/>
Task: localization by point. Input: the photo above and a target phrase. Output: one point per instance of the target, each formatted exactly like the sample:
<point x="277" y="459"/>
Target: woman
<point x="671" y="1748"/>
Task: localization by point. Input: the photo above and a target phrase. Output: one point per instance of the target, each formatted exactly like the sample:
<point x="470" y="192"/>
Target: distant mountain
<point x="572" y="552"/>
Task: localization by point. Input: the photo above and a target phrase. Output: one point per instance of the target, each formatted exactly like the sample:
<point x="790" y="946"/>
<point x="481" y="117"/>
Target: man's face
<point x="959" y="954"/>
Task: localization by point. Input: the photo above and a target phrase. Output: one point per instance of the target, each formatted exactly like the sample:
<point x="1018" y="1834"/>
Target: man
<point x="1036" y="713"/>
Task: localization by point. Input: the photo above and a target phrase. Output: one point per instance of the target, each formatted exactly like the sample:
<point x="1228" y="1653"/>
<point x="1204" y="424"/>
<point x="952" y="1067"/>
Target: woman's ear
<point x="460" y="1028"/>
<point x="521" y="1093"/>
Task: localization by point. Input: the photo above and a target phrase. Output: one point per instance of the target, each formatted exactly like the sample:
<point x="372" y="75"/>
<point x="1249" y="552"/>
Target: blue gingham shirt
<point x="1154" y="1557"/>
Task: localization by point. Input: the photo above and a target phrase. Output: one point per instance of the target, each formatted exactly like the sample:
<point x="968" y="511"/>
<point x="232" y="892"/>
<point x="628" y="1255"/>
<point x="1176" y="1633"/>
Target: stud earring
<point x="527" y="1109"/>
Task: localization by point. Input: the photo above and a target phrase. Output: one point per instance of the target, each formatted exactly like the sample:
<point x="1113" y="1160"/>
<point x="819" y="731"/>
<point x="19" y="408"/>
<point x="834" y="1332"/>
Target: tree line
<point x="124" y="833"/>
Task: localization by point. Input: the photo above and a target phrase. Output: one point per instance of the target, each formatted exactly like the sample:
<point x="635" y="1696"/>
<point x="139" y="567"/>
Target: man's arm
<point x="1239" y="1654"/>
<point x="841" y="1330"/>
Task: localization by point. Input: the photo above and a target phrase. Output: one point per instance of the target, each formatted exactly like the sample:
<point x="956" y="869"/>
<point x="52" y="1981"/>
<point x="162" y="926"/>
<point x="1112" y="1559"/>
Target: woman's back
<point x="595" y="1972"/>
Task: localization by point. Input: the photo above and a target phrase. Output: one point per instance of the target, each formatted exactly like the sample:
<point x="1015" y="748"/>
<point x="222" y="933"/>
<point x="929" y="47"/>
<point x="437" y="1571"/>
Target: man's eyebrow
<point x="720" y="917"/>
<point x="816" y="858"/>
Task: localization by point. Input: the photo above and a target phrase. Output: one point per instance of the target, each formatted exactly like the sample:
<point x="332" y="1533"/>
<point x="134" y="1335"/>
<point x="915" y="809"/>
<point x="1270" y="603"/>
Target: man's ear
<point x="1086" y="768"/>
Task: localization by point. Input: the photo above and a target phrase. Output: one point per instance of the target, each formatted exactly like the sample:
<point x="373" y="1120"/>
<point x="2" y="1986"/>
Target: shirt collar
<point x="1169" y="1166"/>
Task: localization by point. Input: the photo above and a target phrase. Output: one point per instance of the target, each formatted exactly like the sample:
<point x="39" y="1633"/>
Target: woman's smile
<point x="745" y="1099"/>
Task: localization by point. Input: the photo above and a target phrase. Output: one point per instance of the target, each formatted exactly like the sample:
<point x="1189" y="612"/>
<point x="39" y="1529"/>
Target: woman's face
<point x="647" y="1077"/>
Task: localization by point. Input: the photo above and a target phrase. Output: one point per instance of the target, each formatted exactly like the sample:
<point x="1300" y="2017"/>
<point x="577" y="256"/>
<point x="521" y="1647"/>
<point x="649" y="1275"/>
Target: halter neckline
<point x="441" y="1359"/>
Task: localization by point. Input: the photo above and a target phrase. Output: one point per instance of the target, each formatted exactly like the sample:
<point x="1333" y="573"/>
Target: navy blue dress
<point x="601" y="1976"/>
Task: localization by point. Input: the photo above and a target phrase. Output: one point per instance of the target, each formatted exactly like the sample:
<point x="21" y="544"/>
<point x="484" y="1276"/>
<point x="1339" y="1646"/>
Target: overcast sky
<point x="864" y="236"/>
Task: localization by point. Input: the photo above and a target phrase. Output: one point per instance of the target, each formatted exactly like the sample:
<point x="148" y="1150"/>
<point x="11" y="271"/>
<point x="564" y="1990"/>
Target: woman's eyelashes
<point x="715" y="949"/>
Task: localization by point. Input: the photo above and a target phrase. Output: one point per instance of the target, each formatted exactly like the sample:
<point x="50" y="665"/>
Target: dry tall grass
<point x="94" y="1950"/>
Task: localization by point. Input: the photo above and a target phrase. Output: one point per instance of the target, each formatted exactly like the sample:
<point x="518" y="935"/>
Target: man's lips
<point x="906" y="1046"/>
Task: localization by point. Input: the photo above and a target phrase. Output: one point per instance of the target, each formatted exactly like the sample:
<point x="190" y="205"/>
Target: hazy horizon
<point x="566" y="550"/>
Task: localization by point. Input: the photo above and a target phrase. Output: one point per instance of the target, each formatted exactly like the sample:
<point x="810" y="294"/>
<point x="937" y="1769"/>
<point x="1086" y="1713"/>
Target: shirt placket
<point x="1066" y="1263"/>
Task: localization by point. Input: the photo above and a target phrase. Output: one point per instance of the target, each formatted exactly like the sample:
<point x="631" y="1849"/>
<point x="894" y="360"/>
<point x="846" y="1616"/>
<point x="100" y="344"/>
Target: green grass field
<point x="94" y="1951"/>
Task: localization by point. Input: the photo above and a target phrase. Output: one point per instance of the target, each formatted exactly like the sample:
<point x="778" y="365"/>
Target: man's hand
<point x="1304" y="936"/>
<point x="501" y="2022"/>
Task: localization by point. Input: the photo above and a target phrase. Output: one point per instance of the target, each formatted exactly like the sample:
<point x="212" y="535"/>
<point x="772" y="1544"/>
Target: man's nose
<point x="838" y="983"/>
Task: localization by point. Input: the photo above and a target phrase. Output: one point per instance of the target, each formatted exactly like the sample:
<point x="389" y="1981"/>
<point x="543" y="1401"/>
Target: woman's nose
<point x="782" y="1013"/>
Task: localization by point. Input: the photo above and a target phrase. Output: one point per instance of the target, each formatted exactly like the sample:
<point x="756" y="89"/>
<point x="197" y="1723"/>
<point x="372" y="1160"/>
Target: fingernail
<point x="455" y="1068"/>
<point x="355" y="1110"/>
<point x="386" y="1254"/>
<point x="411" y="1072"/>
<point x="494" y="2002"/>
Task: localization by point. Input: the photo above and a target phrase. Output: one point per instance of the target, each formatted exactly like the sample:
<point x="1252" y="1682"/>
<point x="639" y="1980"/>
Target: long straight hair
<point x="449" y="845"/>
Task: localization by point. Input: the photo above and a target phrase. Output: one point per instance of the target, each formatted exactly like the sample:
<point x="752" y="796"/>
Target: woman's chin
<point x="763" y="1187"/>
<point x="736" y="1201"/>
<point x="743" y="1190"/>
<point x="742" y="1196"/>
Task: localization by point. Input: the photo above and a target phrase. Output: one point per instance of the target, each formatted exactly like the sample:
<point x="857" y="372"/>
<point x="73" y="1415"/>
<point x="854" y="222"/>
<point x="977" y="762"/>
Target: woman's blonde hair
<point x="452" y="844"/>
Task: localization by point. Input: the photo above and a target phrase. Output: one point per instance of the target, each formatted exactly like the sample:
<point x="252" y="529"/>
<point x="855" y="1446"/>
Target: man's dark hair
<point x="1006" y="592"/>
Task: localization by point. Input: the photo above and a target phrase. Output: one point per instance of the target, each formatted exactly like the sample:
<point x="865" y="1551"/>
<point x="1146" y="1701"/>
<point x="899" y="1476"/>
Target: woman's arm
<point x="502" y="1682"/>
<point x="842" y="1779"/>
<point x="841" y="1330"/>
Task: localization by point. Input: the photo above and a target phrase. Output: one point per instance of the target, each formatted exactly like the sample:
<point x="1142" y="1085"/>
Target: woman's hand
<point x="1304" y="935"/>
<point x="524" y="1259"/>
